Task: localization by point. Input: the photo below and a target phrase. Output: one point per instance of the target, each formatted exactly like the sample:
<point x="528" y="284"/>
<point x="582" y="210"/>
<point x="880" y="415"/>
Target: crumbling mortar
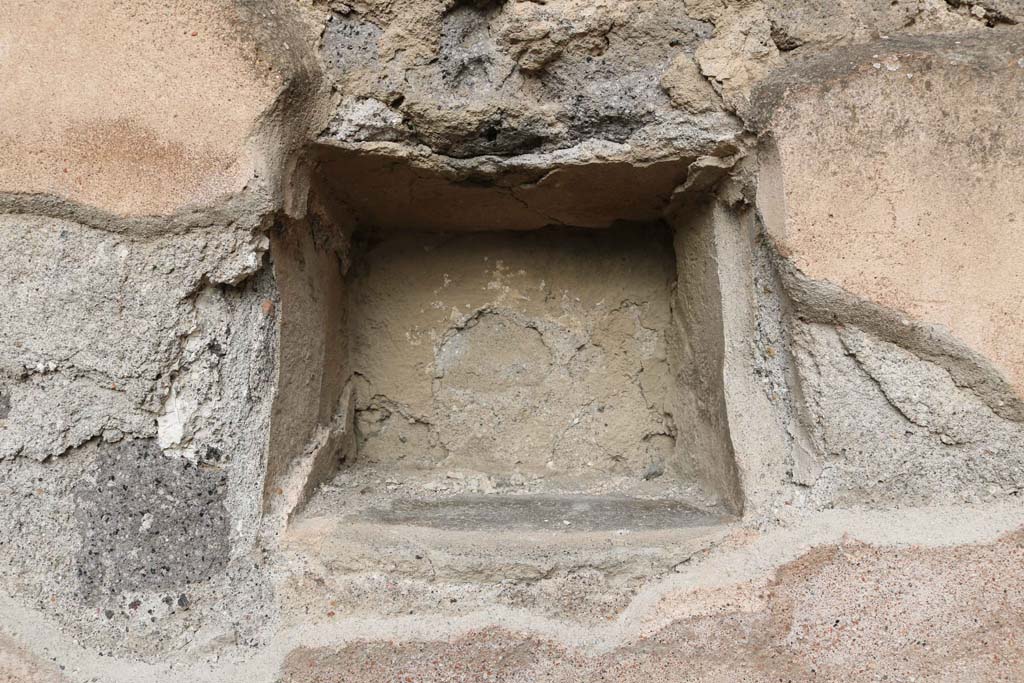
<point x="393" y="407"/>
<point x="866" y="373"/>
<point x="989" y="15"/>
<point x="895" y="404"/>
<point x="826" y="303"/>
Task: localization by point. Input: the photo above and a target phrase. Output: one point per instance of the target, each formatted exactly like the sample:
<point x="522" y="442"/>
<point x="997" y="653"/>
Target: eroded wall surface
<point x="538" y="353"/>
<point x="192" y="344"/>
<point x="899" y="176"/>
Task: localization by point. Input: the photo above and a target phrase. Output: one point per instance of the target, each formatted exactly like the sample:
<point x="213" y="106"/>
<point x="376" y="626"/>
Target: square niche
<point x="496" y="384"/>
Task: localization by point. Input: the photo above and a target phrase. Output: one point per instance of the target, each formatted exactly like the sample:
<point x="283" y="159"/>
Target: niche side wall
<point x="311" y="427"/>
<point x="697" y="354"/>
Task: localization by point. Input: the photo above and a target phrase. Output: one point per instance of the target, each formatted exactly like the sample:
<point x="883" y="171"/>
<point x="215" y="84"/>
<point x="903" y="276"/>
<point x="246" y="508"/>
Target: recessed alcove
<point x="542" y="354"/>
<point x="496" y="382"/>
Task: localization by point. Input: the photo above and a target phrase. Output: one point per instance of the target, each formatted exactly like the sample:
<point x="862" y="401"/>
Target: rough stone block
<point x="148" y="522"/>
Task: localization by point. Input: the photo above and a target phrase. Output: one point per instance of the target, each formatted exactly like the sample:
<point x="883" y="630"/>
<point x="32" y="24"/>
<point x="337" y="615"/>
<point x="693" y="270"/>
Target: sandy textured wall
<point x="543" y="354"/>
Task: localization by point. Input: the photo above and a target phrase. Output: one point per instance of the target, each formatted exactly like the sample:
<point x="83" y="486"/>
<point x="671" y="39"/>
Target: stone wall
<point x="273" y="270"/>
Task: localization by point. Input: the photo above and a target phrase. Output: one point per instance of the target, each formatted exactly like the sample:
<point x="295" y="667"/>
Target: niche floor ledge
<point x="502" y="536"/>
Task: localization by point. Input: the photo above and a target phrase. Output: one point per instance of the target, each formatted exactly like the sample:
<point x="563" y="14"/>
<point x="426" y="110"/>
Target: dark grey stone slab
<point x="545" y="513"/>
<point x="149" y="522"/>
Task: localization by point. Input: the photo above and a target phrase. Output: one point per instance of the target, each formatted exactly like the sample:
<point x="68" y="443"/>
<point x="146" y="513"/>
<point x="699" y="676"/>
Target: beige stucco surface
<point x="135" y="108"/>
<point x="899" y="180"/>
<point x="18" y="666"/>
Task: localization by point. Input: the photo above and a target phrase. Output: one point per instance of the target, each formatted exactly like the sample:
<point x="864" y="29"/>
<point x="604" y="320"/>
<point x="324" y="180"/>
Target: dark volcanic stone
<point x="149" y="522"/>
